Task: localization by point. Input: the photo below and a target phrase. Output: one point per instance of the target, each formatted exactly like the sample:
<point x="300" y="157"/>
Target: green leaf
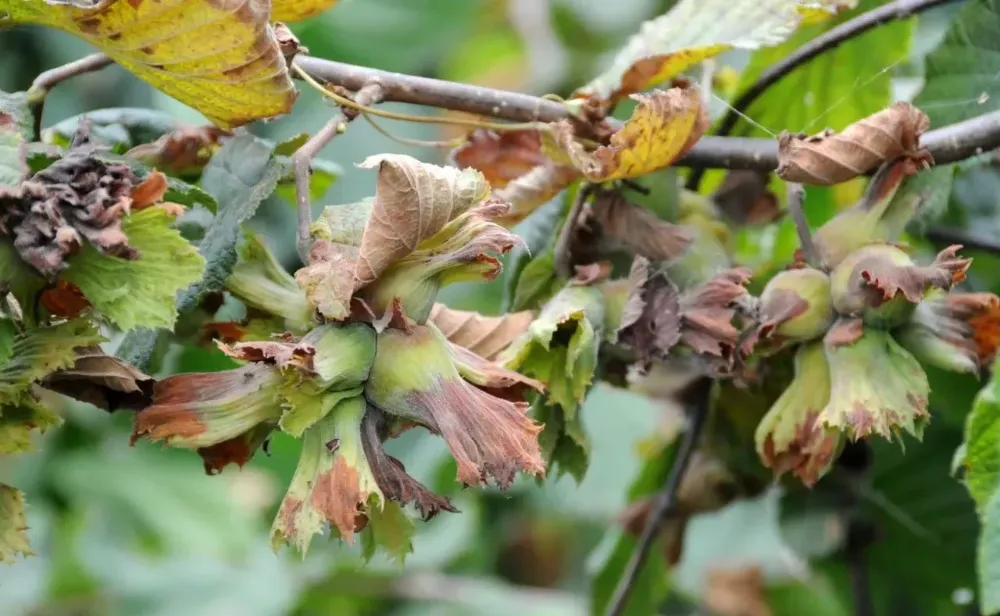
<point x="388" y="528"/>
<point x="833" y="90"/>
<point x="240" y="176"/>
<point x="18" y="422"/>
<point x="982" y="446"/>
<point x="988" y="561"/>
<point x="122" y="127"/>
<point x="19" y="278"/>
<point x="13" y="525"/>
<point x="538" y="231"/>
<point x="13" y="164"/>
<point x="929" y="191"/>
<point x="142" y="292"/>
<point x="960" y="75"/>
<point x="38" y="352"/>
<point x="14" y="107"/>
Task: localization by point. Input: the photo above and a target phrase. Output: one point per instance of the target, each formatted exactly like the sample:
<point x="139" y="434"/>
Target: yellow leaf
<point x="298" y="10"/>
<point x="664" y="125"/>
<point x="695" y="30"/>
<point x="13" y="525"/>
<point x="218" y="56"/>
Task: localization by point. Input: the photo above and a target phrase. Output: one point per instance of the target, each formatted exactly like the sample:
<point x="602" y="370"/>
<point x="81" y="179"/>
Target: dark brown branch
<point x="900" y="9"/>
<point x="51" y="78"/>
<point x="367" y="95"/>
<point x="947" y="144"/>
<point x="666" y="500"/>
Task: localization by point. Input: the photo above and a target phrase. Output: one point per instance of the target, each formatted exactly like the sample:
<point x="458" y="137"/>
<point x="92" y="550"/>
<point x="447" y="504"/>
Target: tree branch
<point x="900" y="9"/>
<point x="666" y="500"/>
<point x="947" y="144"/>
<point x="367" y="95"/>
<point x="51" y="78"/>
<point x="796" y="197"/>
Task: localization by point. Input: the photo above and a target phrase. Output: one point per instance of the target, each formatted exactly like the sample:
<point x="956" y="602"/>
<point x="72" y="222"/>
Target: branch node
<point x="368" y="95"/>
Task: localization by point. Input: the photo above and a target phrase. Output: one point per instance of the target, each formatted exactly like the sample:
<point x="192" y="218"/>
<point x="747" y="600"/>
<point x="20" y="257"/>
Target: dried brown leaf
<point x="279" y="353"/>
<point x="483" y="335"/>
<point x="533" y="189"/>
<point x="103" y="380"/>
<point x="64" y="299"/>
<point x="390" y="474"/>
<point x="744" y="199"/>
<point x="501" y="157"/>
<point x="737" y="592"/>
<point x="413" y="201"/>
<point x="831" y="158"/>
<point x="182" y="151"/>
<point x="638" y="228"/>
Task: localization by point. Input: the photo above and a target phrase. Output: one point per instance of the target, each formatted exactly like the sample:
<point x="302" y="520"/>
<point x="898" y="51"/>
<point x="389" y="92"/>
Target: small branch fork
<point x="666" y="500"/>
<point x="369" y="94"/>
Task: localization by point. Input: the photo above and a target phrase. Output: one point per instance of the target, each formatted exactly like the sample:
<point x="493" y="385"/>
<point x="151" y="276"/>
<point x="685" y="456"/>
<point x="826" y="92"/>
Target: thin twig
<point x="51" y="78"/>
<point x="900" y="9"/>
<point x="942" y="235"/>
<point x="368" y="95"/>
<point x="665" y="502"/>
<point x="796" y="198"/>
<point x="563" y="250"/>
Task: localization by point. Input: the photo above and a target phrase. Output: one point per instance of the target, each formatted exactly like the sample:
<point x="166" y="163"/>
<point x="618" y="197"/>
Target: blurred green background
<point x="136" y="531"/>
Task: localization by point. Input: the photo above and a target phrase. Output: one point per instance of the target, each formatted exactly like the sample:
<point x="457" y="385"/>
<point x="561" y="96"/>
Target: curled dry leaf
<point x="663" y="126"/>
<point x="279" y="353"/>
<point x="102" y="380"/>
<point x="692" y="31"/>
<point x="535" y="188"/>
<point x="744" y="199"/>
<point x="638" y="228"/>
<point x="77" y="198"/>
<point x="413" y="202"/>
<point x="483" y="335"/>
<point x="500" y="157"/>
<point x="182" y="151"/>
<point x="390" y="474"/>
<point x="218" y="56"/>
<point x="832" y="158"/>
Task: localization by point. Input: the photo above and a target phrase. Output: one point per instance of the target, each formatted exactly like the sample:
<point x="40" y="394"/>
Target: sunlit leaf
<point x="664" y="125"/>
<point x="220" y="57"/>
<point x="692" y="31"/>
<point x="297" y="10"/>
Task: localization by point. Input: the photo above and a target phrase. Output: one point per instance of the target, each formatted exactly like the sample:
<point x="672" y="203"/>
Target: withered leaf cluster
<point x="77" y="199"/>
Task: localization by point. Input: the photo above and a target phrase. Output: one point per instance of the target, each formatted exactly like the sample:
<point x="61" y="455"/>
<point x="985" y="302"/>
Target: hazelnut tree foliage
<point x="803" y="358"/>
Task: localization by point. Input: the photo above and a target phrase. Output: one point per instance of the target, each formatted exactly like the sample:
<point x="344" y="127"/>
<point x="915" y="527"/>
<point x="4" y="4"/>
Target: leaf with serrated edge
<point x="144" y="291"/>
<point x="218" y="56"/>
<point x="13" y="525"/>
<point x="664" y="125"/>
<point x="693" y="31"/>
<point x="38" y="352"/>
